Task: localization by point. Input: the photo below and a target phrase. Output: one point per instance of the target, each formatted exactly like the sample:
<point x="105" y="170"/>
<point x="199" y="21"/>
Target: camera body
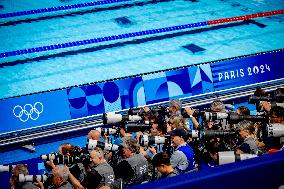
<point x="276" y="99"/>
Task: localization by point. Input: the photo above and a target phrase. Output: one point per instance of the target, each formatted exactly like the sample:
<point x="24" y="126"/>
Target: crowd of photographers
<point x="152" y="143"/>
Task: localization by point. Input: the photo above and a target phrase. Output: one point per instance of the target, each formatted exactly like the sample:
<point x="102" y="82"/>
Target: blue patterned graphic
<point x="156" y="88"/>
<point x="201" y="79"/>
<point x="106" y="97"/>
<point x="178" y="83"/>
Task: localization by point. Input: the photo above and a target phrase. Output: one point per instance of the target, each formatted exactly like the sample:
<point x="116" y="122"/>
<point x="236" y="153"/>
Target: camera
<point x="210" y="133"/>
<point x="135" y="126"/>
<point x="139" y="111"/>
<point x="7" y="168"/>
<point x="161" y="110"/>
<point x="197" y="113"/>
<point x="230" y="157"/>
<point x="66" y="160"/>
<point x="106" y="131"/>
<point x="146" y="140"/>
<point x="233" y="117"/>
<point x="112" y="118"/>
<point x="212" y="116"/>
<point x="32" y="178"/>
<point x="276" y="98"/>
<point x="275" y="130"/>
<point x="48" y="157"/>
<point x="104" y="146"/>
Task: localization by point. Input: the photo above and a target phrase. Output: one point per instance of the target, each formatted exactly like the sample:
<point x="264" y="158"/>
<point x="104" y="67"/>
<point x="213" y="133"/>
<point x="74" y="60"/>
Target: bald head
<point x="94" y="135"/>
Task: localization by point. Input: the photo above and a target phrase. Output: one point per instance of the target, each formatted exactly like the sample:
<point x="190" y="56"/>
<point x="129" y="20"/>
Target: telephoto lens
<point x="48" y="157"/>
<point x="104" y="146"/>
<point x="32" y="178"/>
<point x="145" y="140"/>
<point x="112" y="118"/>
<point x="275" y="130"/>
<point x="226" y="157"/>
<point x="6" y="168"/>
<point x="136" y="126"/>
<point x="212" y="116"/>
<point x="107" y="131"/>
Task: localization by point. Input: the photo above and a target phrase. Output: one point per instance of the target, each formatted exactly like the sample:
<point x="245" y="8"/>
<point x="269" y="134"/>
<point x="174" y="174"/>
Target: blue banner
<point x="250" y="70"/>
<point x="33" y="110"/>
<point x="77" y="102"/>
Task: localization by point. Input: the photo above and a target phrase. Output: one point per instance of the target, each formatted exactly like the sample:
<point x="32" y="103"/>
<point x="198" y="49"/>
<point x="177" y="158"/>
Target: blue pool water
<point x="48" y="70"/>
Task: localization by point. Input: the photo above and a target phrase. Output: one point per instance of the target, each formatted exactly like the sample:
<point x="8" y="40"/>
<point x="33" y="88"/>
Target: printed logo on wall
<point x="250" y="70"/>
<point x="34" y="110"/>
<point x="28" y="111"/>
<point x="106" y="97"/>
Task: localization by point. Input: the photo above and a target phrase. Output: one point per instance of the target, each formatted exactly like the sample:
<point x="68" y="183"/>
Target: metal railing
<point x="60" y="128"/>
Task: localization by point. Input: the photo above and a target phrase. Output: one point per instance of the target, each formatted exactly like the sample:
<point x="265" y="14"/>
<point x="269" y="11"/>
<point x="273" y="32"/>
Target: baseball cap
<point x="178" y="132"/>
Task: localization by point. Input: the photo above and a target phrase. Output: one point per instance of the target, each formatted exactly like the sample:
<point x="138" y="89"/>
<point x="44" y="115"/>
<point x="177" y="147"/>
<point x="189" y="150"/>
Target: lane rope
<point x="139" y="33"/>
<point x="60" y="8"/>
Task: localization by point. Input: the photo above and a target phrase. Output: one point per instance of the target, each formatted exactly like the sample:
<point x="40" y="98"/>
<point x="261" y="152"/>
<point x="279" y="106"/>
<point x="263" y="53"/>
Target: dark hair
<point x="259" y="92"/>
<point x="132" y="144"/>
<point x="161" y="158"/>
<point x="66" y="148"/>
<point x="247" y="125"/>
<point x="277" y="111"/>
<point x="244" y="110"/>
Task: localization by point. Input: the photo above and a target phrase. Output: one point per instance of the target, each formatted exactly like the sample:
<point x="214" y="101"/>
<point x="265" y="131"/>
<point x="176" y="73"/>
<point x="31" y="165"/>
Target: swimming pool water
<point x="36" y="72"/>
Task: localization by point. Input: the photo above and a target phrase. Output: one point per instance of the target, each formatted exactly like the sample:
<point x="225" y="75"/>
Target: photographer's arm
<point x="75" y="182"/>
<point x="39" y="184"/>
<point x="190" y="112"/>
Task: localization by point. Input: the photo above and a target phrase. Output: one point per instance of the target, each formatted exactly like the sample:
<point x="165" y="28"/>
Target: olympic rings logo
<point x="29" y="111"/>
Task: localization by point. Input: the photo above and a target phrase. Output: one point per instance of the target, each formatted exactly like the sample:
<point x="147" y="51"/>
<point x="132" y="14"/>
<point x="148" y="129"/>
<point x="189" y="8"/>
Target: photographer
<point x="100" y="173"/>
<point x="59" y="179"/>
<point x="276" y="117"/>
<point x="246" y="132"/>
<point x="162" y="162"/>
<point x="133" y="164"/>
<point x="219" y="107"/>
<point x="14" y="181"/>
<point x="190" y="113"/>
<point x="243" y="110"/>
<point x="175" y="110"/>
<point x="182" y="158"/>
<point x="209" y="157"/>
